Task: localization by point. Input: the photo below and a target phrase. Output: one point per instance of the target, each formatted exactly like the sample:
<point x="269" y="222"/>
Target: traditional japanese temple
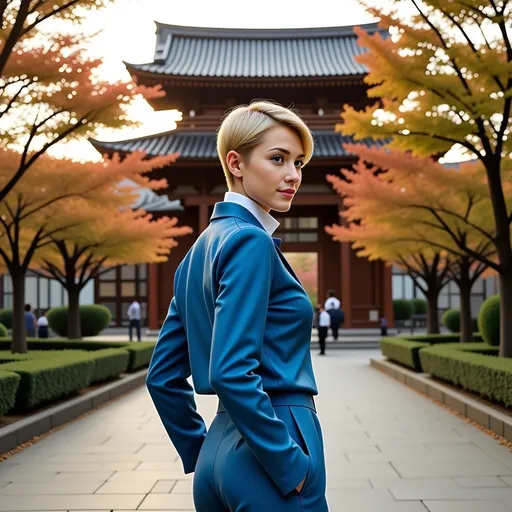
<point x="206" y="71"/>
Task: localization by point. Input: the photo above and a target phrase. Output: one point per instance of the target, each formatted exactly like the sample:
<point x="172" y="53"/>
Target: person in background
<point x="30" y="322"/>
<point x="134" y="317"/>
<point x="324" y="322"/>
<point x="42" y="326"/>
<point x="383" y="326"/>
<point x="333" y="307"/>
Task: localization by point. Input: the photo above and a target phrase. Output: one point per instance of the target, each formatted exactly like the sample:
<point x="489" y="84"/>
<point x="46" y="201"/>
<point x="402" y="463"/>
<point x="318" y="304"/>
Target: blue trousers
<point x="228" y="478"/>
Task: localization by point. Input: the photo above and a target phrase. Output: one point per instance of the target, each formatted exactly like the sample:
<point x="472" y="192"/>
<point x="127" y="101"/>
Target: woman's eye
<point x="278" y="158"/>
<point x="299" y="163"/>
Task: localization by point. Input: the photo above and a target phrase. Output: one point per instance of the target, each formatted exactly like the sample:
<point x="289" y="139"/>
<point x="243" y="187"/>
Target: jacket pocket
<point x="305" y="432"/>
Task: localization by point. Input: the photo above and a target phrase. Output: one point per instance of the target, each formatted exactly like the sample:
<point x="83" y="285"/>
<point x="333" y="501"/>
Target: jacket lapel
<point x="229" y="209"/>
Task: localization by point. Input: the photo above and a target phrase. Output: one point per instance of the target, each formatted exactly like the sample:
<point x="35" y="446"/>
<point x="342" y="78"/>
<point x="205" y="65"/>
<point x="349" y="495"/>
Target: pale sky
<point x="129" y="35"/>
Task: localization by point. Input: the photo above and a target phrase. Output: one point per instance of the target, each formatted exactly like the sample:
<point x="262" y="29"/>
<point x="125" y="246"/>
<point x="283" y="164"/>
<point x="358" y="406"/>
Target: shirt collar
<point x="267" y="221"/>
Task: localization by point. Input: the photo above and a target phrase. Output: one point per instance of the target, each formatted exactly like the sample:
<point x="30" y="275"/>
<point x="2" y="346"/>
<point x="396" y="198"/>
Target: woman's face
<point x="274" y="166"/>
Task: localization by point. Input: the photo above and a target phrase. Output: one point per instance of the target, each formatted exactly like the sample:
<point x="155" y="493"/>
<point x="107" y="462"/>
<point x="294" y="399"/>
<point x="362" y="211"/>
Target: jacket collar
<point x="229" y="209"/>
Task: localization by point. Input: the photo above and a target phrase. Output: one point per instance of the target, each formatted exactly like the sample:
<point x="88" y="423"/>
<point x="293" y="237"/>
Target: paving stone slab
<point x="168" y="502"/>
<point x="480" y="481"/>
<point x="127" y="487"/>
<point x="466" y="506"/>
<point x="42" y="503"/>
<point x="166" y="486"/>
<point x="51" y="488"/>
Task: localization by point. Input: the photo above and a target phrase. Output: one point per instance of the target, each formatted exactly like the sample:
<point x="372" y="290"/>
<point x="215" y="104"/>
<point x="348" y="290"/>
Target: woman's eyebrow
<point x="285" y="151"/>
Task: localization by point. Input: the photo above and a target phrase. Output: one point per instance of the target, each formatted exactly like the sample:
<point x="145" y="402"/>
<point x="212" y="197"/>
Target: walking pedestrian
<point x="333" y="307"/>
<point x="42" y="326"/>
<point x="30" y="322"/>
<point x="134" y="316"/>
<point x="240" y="324"/>
<point x="324" y="322"/>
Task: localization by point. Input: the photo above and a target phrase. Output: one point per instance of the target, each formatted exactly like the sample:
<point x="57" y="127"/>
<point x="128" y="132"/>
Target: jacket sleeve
<point x="244" y="273"/>
<point x="172" y="394"/>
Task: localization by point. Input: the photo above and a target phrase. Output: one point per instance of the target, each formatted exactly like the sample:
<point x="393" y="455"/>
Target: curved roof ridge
<point x="263" y="33"/>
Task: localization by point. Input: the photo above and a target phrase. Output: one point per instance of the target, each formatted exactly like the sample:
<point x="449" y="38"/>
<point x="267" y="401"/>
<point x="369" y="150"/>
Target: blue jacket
<point x="239" y="323"/>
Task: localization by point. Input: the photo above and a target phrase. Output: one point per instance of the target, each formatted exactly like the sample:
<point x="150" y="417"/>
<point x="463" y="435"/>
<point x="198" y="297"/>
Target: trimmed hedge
<point x="472" y="367"/>
<point x="403" y="351"/>
<point x="139" y="352"/>
<point x="403" y="309"/>
<point x="489" y="320"/>
<point x="419" y="306"/>
<point x="9" y="383"/>
<point x="109" y="363"/>
<point x="93" y="319"/>
<point x="435" y="339"/>
<point x="44" y="380"/>
<point x="406" y="350"/>
<point x="3" y="331"/>
<point x="6" y="318"/>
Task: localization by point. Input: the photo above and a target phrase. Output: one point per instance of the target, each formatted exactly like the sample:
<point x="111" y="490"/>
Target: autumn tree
<point x="50" y="88"/>
<point x="116" y="237"/>
<point x="48" y="204"/>
<point x="443" y="80"/>
<point x="418" y="200"/>
<point x="429" y="269"/>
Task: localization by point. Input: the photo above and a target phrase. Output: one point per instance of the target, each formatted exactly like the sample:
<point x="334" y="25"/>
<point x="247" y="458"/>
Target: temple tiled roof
<point x="202" y="145"/>
<point x="255" y="53"/>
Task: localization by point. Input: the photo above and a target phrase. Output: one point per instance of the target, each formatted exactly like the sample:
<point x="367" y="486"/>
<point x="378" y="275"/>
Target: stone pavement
<point x="388" y="449"/>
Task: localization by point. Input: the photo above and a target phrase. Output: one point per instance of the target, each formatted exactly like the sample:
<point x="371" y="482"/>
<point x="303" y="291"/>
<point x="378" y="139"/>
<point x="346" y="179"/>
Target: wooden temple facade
<point x="206" y="71"/>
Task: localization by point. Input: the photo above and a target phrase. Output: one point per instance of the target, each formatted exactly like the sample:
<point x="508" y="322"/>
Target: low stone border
<point x="24" y="430"/>
<point x="480" y="413"/>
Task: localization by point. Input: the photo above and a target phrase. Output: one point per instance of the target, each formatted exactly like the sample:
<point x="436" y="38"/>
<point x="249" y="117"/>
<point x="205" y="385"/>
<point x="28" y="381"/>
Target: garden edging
<point x="24" y="430"/>
<point x="480" y="413"/>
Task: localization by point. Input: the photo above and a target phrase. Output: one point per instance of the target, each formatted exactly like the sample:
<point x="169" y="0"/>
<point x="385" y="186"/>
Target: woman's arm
<point x="172" y="394"/>
<point x="244" y="274"/>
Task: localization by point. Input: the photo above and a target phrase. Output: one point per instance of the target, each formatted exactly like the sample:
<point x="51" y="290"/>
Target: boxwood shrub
<point x="403" y="309"/>
<point x="9" y="383"/>
<point x="419" y="306"/>
<point x="473" y="367"/>
<point x="45" y="379"/>
<point x="3" y="331"/>
<point x="6" y="318"/>
<point x="489" y="320"/>
<point x="406" y="350"/>
<point x="403" y="351"/>
<point x="93" y="319"/>
<point x="451" y="320"/>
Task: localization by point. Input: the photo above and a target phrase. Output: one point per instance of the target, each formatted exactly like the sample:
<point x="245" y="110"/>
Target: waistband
<point x="298" y="399"/>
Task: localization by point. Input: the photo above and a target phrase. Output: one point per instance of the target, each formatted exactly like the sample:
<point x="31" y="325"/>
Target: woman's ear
<point x="234" y="163"/>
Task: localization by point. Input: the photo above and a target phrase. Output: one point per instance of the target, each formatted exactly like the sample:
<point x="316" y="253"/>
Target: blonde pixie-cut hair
<point x="243" y="129"/>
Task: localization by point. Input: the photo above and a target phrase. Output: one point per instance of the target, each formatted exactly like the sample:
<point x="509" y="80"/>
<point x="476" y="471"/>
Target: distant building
<point x="206" y="71"/>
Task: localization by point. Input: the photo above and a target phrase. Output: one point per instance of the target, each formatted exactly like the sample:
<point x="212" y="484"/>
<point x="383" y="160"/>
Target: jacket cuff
<point x="294" y="477"/>
<point x="190" y="461"/>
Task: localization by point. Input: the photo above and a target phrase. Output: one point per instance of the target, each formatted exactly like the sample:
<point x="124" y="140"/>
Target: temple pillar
<point x="346" y="283"/>
<point x="153" y="296"/>
<point x="387" y="299"/>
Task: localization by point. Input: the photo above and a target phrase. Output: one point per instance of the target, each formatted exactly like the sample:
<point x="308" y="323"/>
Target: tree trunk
<point x="466" y="322"/>
<point x="465" y="285"/>
<point x="505" y="314"/>
<point x="432" y="316"/>
<point x="74" y="328"/>
<point x="19" y="334"/>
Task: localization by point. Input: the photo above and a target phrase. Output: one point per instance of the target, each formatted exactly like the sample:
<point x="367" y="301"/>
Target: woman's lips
<point x="287" y="193"/>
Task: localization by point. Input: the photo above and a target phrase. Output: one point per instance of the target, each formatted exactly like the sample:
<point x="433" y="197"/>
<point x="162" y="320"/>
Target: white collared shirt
<point x="324" y="320"/>
<point x="266" y="220"/>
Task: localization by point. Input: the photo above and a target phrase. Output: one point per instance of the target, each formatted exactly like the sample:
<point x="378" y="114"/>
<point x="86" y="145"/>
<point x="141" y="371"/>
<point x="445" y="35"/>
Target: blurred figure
<point x="333" y="307"/>
<point x="42" y="326"/>
<point x="323" y="324"/>
<point x="383" y="327"/>
<point x="30" y="322"/>
<point x="134" y="317"/>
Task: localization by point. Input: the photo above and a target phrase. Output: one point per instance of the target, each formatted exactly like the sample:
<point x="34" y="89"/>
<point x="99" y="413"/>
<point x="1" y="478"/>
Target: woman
<point x="240" y="323"/>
